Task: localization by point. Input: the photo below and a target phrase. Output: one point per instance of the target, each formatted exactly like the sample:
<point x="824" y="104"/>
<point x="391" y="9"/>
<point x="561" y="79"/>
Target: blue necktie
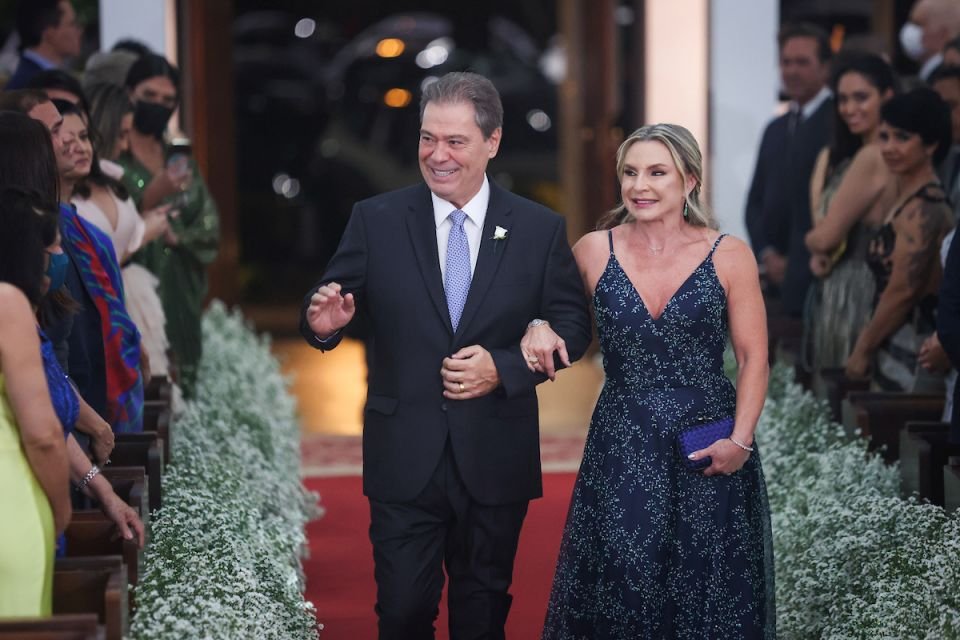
<point x="456" y="281"/>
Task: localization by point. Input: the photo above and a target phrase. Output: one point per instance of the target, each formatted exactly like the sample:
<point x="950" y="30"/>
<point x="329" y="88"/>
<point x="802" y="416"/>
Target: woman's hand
<point x="129" y="525"/>
<point x="538" y="345"/>
<point x="820" y="265"/>
<point x="157" y="221"/>
<point x="726" y="457"/>
<point x="858" y="365"/>
<point x="101" y="444"/>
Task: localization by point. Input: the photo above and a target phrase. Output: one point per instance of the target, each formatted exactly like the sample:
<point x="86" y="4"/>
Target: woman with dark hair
<point x="847" y="191"/>
<point x="154" y="173"/>
<point x="102" y="200"/>
<point x="99" y="271"/>
<point x="111" y="116"/>
<point x="35" y="499"/>
<point x="904" y="253"/>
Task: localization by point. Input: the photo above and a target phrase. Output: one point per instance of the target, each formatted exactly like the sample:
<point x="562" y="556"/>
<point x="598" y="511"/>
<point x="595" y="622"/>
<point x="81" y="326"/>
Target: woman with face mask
<point x="154" y="173"/>
<point x="850" y="189"/>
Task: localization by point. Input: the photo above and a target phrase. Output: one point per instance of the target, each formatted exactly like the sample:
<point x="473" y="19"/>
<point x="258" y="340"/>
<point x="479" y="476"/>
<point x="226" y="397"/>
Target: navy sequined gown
<point x="651" y="549"/>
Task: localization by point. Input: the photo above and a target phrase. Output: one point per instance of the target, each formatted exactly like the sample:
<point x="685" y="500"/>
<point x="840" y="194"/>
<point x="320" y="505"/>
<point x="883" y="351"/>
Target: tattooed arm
<point x="915" y="273"/>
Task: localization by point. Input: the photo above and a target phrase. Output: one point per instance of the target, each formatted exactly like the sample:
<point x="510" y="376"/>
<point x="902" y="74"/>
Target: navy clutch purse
<point x="702" y="436"/>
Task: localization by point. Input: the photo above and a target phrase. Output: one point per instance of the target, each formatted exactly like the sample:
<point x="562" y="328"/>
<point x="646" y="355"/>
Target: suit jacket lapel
<point x="423" y="235"/>
<point x="491" y="252"/>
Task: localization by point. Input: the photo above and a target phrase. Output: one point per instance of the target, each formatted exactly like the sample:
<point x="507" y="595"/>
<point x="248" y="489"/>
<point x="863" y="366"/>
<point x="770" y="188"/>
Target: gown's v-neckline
<point x="670" y="300"/>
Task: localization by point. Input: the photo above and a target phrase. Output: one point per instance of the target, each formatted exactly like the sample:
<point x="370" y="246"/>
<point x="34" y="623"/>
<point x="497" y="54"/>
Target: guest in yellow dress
<point x="34" y="499"/>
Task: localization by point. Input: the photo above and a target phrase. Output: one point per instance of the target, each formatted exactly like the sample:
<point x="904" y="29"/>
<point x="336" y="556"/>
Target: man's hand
<point x="329" y="311"/>
<point x="537" y="347"/>
<point x="469" y="373"/>
<point x="775" y="265"/>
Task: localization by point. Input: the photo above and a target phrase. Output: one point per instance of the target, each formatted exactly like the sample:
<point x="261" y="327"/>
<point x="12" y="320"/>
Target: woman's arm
<point x="123" y="516"/>
<point x="29" y="397"/>
<point x="817" y="178"/>
<point x="748" y="333"/>
<point x="737" y="271"/>
<point x="915" y="272"/>
<point x="860" y="187"/>
<point x="90" y="422"/>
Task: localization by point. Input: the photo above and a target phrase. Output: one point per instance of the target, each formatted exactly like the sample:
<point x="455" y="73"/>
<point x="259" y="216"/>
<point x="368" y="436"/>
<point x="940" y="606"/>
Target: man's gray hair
<point x="472" y="88"/>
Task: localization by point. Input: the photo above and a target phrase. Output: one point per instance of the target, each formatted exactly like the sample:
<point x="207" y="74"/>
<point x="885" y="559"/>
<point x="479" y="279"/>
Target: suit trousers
<point x="443" y="525"/>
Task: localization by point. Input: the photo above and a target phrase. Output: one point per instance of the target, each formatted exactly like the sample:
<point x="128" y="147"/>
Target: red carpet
<point x="340" y="569"/>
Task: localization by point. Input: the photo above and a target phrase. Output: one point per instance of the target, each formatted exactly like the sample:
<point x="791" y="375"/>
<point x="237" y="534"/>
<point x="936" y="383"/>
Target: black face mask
<point x="150" y="118"/>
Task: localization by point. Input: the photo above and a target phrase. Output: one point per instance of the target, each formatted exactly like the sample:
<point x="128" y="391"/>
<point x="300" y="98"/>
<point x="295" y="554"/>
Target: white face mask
<point x="911" y="39"/>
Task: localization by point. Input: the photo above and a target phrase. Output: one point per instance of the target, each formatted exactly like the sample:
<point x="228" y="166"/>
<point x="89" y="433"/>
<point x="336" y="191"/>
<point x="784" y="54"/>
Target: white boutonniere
<point x="499" y="235"/>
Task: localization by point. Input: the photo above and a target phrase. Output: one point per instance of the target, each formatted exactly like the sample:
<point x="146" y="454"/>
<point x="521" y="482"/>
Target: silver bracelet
<point x="94" y="470"/>
<point x="740" y="444"/>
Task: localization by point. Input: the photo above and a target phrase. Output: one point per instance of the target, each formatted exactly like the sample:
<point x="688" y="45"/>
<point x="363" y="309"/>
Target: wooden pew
<point x="77" y="626"/>
<point x="142" y="450"/>
<point x="156" y="417"/>
<point x="924" y="451"/>
<point x="880" y="416"/>
<point x="159" y="388"/>
<point x="93" y="534"/>
<point x="94" y="584"/>
<point x="833" y="386"/>
<point x="951" y="484"/>
<point x="130" y="483"/>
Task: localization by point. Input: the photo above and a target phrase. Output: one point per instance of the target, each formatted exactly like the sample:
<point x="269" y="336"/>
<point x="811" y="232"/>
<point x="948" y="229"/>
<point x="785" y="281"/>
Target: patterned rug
<point x="324" y="456"/>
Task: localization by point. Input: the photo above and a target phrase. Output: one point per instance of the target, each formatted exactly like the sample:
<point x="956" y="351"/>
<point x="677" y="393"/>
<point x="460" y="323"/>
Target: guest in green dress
<point x="850" y="194"/>
<point x="156" y="172"/>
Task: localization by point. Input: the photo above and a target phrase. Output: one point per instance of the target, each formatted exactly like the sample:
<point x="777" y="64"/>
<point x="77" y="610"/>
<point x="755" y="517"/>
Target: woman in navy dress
<point x="652" y="548"/>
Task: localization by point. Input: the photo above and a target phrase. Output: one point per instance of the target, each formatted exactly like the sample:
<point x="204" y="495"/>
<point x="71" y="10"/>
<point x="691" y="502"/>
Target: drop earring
<point x="686" y="212"/>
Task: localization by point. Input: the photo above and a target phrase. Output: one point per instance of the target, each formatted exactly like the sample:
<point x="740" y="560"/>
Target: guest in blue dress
<point x="653" y="548"/>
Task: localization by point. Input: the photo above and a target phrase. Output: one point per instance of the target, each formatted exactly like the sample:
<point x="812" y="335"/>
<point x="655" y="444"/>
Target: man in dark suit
<point x="450" y="273"/>
<point x="49" y="34"/>
<point x="948" y="326"/>
<point x="778" y="205"/>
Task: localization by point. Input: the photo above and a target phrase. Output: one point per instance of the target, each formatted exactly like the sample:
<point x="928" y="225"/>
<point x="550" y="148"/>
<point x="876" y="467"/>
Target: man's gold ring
<point x="461" y="386"/>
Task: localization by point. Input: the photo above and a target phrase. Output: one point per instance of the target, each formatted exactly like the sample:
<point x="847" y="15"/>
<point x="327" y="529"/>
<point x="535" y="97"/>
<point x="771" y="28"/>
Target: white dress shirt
<point x="476" y="211"/>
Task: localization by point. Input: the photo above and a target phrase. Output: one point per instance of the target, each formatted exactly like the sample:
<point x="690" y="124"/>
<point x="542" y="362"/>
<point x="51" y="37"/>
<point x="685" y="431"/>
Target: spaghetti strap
<point x="715" y="244"/>
<point x="610" y="238"/>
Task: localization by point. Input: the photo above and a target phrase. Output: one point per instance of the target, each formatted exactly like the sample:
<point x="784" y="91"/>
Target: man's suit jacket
<point x="388" y="258"/>
<point x="778" y="204"/>
<point x="948" y="325"/>
<point x="24" y="72"/>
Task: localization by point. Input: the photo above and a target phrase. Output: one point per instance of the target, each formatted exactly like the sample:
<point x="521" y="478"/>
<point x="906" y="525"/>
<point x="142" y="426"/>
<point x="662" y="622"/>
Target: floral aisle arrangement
<point x="224" y="556"/>
<point x="853" y="558"/>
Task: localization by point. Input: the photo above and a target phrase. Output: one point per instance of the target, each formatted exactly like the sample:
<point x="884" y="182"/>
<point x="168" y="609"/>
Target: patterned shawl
<point x="100" y="273"/>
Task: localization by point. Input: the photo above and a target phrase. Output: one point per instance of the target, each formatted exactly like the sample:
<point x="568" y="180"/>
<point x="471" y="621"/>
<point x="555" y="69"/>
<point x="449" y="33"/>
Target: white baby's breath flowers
<point x="224" y="555"/>
<point x="853" y="558"/>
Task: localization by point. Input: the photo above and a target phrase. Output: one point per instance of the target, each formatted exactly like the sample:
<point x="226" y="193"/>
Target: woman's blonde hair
<point x="687" y="159"/>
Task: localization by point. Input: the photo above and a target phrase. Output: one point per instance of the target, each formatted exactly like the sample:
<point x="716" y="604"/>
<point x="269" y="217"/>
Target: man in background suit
<point x="948" y="326"/>
<point x="49" y="34"/>
<point x="778" y="204"/>
<point x="450" y="272"/>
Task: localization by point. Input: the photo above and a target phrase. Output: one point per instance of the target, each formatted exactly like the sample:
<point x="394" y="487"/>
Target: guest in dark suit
<point x="450" y="273"/>
<point x="778" y="204"/>
<point x="49" y="34"/>
<point x="948" y="326"/>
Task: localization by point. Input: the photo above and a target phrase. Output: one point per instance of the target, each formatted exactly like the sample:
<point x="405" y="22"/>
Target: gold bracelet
<point x="740" y="444"/>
